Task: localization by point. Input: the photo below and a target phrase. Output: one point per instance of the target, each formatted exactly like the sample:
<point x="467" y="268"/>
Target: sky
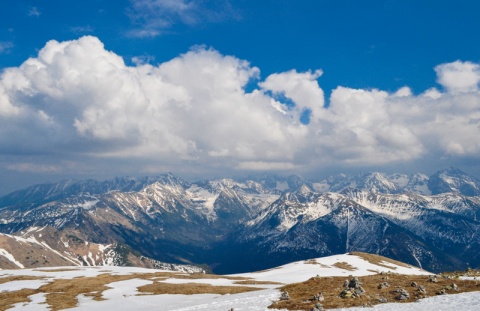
<point x="210" y="88"/>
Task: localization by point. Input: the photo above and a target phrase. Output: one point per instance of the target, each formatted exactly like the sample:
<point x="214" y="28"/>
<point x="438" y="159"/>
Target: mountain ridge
<point x="221" y="222"/>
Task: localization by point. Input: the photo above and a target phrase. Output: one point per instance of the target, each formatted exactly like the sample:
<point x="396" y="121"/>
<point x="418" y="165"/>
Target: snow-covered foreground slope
<point x="463" y="301"/>
<point x="125" y="295"/>
<point x="330" y="266"/>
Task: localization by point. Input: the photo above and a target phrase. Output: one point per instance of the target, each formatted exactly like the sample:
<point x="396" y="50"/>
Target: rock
<point x="285" y="296"/>
<point x="318" y="307"/>
<point x="383" y="285"/>
<point x="354" y="283"/>
<point x="359" y="291"/>
<point x="345" y="284"/>
<point x="414" y="284"/>
<point x="346" y="293"/>
<point x="452" y="287"/>
<point x="382" y="300"/>
<point x="353" y="289"/>
<point x="442" y="292"/>
<point x="402" y="294"/>
<point x="432" y="279"/>
<point x="421" y="289"/>
<point x="319" y="297"/>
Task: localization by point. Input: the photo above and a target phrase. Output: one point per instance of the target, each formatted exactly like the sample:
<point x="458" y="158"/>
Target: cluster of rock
<point x="383" y="285"/>
<point x="445" y="290"/>
<point x="402" y="294"/>
<point x="352" y="289"/>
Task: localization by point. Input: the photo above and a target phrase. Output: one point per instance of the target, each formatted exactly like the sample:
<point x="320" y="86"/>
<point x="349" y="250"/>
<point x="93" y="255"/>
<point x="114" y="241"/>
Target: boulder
<point x="285" y="296"/>
<point x="421" y="289"/>
<point x="402" y="294"/>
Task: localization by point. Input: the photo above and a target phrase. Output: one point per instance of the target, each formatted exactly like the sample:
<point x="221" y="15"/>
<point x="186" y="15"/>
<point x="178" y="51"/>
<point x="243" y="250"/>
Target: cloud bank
<point x="77" y="103"/>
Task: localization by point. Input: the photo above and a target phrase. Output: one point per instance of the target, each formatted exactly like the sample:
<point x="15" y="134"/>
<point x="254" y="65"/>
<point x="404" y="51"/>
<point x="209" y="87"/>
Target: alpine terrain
<point x="234" y="226"/>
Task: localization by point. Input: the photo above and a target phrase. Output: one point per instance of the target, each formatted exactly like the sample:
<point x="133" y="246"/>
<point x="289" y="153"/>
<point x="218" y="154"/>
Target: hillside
<point x="130" y="288"/>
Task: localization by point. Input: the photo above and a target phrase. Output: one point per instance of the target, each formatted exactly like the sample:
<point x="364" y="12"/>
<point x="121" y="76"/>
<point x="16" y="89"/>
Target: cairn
<point x="353" y="289"/>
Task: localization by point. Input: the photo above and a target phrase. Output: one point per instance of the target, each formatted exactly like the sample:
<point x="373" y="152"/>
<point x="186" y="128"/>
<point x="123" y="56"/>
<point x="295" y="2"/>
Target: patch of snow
<point x="17" y="285"/>
<point x="301" y="270"/>
<point x="88" y="204"/>
<point x="10" y="257"/>
<point x="464" y="301"/>
<point x="37" y="303"/>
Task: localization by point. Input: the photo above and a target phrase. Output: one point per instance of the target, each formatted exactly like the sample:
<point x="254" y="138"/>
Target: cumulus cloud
<point x="459" y="76"/>
<point x="153" y="17"/>
<point x="77" y="102"/>
<point x="301" y="88"/>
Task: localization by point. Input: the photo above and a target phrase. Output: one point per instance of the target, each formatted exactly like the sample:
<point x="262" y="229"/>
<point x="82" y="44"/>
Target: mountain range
<point x="252" y="224"/>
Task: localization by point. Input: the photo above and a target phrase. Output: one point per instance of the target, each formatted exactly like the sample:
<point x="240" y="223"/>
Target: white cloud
<point x="302" y="88"/>
<point x="78" y="102"/>
<point x="5" y="46"/>
<point x="33" y="168"/>
<point x="459" y="76"/>
<point x="33" y="11"/>
<point x="153" y="17"/>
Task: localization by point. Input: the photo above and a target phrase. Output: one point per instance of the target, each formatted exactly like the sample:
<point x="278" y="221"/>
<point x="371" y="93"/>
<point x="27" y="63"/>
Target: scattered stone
<point x="402" y="294"/>
<point x="383" y="285"/>
<point x="452" y="287"/>
<point x="285" y="296"/>
<point x="442" y="292"/>
<point x="319" y="297"/>
<point x="318" y="307"/>
<point x="414" y="284"/>
<point x="421" y="289"/>
<point x="432" y="279"/>
<point x="345" y="284"/>
<point x="346" y="293"/>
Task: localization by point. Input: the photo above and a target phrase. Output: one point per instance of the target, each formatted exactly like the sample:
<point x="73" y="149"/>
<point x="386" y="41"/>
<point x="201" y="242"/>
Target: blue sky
<point x="210" y="88"/>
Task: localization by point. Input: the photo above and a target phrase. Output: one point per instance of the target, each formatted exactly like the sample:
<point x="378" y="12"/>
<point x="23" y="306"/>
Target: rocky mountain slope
<point x="47" y="247"/>
<point x="431" y="222"/>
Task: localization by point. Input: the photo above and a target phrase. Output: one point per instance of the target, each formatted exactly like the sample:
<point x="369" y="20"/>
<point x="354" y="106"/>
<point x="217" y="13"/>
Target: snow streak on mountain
<point x="241" y="225"/>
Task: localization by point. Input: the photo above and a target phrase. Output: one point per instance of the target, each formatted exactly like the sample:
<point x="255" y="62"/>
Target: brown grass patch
<point x="8" y="299"/>
<point x="63" y="293"/>
<point x="159" y="288"/>
<point x="344" y="265"/>
<point x="302" y="293"/>
<point x="380" y="260"/>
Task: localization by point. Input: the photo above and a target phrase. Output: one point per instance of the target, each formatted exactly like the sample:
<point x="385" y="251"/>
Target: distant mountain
<point x="47" y="247"/>
<point x="453" y="180"/>
<point x="432" y="222"/>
